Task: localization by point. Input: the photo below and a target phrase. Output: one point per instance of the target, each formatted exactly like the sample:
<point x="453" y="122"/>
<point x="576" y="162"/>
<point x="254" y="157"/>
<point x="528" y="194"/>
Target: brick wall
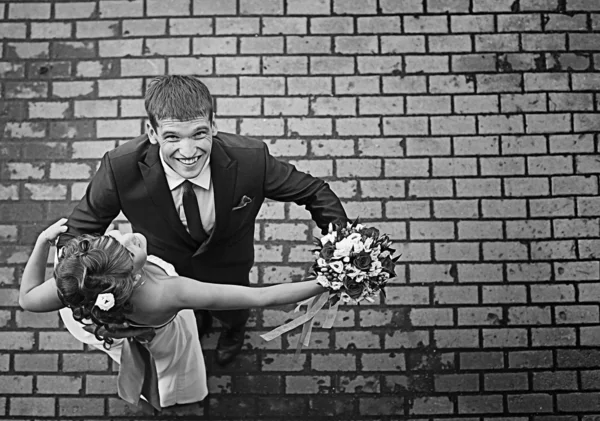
<point x="464" y="128"/>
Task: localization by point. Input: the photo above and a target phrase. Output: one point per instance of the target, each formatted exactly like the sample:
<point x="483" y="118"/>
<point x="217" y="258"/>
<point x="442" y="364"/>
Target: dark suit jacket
<point x="131" y="179"/>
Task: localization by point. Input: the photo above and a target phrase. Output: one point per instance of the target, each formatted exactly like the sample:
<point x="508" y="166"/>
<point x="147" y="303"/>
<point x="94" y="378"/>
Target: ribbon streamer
<point x="314" y="305"/>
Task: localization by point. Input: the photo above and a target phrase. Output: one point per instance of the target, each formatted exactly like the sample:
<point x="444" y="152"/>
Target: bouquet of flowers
<point x="354" y="263"/>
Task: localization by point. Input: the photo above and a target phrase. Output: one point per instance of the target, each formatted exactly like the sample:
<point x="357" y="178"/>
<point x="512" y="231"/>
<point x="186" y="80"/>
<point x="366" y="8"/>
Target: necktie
<point x="192" y="213"/>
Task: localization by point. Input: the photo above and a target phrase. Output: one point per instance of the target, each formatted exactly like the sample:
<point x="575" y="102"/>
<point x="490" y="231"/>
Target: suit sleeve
<point x="284" y="183"/>
<point x="98" y="207"/>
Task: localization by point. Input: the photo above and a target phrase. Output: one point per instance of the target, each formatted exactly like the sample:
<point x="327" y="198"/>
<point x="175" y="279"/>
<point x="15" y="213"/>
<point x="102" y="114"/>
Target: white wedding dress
<point x="175" y="348"/>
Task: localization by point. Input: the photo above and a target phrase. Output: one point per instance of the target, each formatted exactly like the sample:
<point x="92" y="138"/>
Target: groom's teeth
<point x="188" y="161"/>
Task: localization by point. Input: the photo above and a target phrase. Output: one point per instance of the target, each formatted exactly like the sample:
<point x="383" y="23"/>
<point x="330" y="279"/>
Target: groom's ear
<point x="152" y="135"/>
<point x="214" y="128"/>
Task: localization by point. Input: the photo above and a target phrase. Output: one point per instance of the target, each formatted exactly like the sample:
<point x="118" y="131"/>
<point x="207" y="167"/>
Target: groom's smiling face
<point x="184" y="145"/>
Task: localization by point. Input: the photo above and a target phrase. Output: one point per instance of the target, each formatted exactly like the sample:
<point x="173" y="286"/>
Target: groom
<point x="195" y="192"/>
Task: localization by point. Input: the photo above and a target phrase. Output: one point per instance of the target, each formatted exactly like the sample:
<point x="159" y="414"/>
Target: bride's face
<point x="136" y="245"/>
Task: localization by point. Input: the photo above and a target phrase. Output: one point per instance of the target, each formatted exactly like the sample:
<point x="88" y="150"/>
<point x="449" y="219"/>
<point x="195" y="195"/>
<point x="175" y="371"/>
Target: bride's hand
<point x="51" y="233"/>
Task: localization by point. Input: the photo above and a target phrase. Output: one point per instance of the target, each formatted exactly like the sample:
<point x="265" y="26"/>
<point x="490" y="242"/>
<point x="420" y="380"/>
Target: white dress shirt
<point x="203" y="187"/>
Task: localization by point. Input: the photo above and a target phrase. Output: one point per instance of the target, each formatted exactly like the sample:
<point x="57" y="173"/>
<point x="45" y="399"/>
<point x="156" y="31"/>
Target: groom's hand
<point x="123" y="330"/>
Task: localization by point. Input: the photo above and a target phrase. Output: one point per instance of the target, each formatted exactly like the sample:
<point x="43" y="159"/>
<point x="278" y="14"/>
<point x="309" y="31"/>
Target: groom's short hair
<point x="177" y="97"/>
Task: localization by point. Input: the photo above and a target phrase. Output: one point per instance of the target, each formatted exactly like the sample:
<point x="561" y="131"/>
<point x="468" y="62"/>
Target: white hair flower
<point x="105" y="301"/>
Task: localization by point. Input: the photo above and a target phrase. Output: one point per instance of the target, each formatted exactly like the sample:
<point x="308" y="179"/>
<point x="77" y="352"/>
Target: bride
<point x="105" y="280"/>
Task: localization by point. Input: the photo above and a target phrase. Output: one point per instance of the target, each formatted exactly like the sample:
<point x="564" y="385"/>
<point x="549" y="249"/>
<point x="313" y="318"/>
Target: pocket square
<point x="244" y="201"/>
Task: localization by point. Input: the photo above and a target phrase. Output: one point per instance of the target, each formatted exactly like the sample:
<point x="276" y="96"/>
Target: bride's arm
<point x="36" y="295"/>
<point x="182" y="293"/>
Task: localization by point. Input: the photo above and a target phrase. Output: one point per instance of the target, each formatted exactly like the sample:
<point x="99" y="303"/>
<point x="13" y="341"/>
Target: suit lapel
<point x="158" y="189"/>
<point x="223" y="174"/>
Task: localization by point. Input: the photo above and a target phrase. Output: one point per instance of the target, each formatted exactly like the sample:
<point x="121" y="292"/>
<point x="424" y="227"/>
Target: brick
<point x="214" y="45"/>
<point x="523" y="102"/>
<point x="538" y="5"/>
<point x="456" y="382"/>
<point x="238" y="106"/>
<point x="530" y="359"/>
<point x="499" y="83"/>
<point x="23" y="50"/>
<point x="96" y="68"/>
<point x="528" y="229"/>
<point x="356" y="44"/>
<point x="563" y="22"/>
<point x="523" y="145"/>
<point x="425" y="24"/>
<point x="261" y="7"/>
<point x="210" y="8"/>
<point x="237" y="65"/>
<point x="45" y="191"/>
<point x="26" y="90"/>
<point x="303" y="7"/>
<point x="156" y="27"/>
<point x="519" y="61"/>
<point x="476" y="104"/>
<point x="66" y="384"/>
<point x="529" y="315"/>
<point x="456" y="338"/>
<point x="332" y="147"/>
<point x="408" y="209"/>
<point x="585" y="122"/>
<point x="586" y="206"/>
<point x="269" y="127"/>
<point x="97" y="29"/>
<point x="28" y="11"/>
<point x="526" y="187"/>
<point x="481" y="360"/>
<point x="576" y="314"/>
<point x="504" y="251"/>
<point x="405" y="126"/>
<point x="284" y="25"/>
<point x="519" y="23"/>
<point x="13" y="30"/>
<point x="331" y="65"/>
<point x="404" y="84"/>
<point x="430" y="188"/>
<point x="383" y="362"/>
<point x="361" y="126"/>
<point x="261" y="45"/>
<point x="450" y="84"/>
<point x="285" y="65"/>
<point x="445" y="6"/>
<point x="72" y="89"/>
<point x="478" y="187"/>
<point x="286" y="106"/>
<point x="453" y="125"/>
<point x="261" y="86"/>
<point x="477" y="145"/>
<point x="354" y="85"/>
<point x="472" y="24"/>
<point x="544" y="250"/>
<point x="538" y="403"/>
<point x="450" y="43"/>
<point x="570" y="185"/>
<point x="546" y="81"/>
<point x="381" y="147"/>
<point x="403" y="44"/>
<point x="324" y="106"/>
<point x="379" y="24"/>
<point x="189" y="65"/>
<point x="309" y="126"/>
<point x="407" y="168"/>
<point x="74" y="10"/>
<point x="497" y="42"/>
<point x="467" y="63"/>
<point x="455" y="167"/>
<point x="502" y="166"/>
<point x="426" y="64"/>
<point x="36" y="406"/>
<point x="553" y="336"/>
<point x="429" y="146"/>
<point x="479" y="230"/>
<point x="479" y="316"/>
<point x="308" y="45"/>
<point x="330" y="25"/>
<point x="237" y="25"/>
<point x="349" y="7"/>
<point x="380" y="64"/>
<point x="504" y="338"/>
<point x="428" y="105"/>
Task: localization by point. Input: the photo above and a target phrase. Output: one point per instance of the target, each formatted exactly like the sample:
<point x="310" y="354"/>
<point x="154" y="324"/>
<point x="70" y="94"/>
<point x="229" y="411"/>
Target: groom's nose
<point x="188" y="147"/>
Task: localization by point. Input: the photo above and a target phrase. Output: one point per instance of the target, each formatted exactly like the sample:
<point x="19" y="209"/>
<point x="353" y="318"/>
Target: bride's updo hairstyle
<point x="90" y="266"/>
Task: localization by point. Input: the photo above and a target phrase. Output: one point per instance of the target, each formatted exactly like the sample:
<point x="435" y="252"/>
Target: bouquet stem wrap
<point x="313" y="306"/>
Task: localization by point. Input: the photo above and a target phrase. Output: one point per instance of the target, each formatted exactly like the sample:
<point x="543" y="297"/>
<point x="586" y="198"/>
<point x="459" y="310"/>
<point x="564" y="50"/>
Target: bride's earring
<point x="137" y="277"/>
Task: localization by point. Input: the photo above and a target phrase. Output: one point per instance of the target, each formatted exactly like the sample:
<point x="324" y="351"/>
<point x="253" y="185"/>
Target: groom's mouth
<point x="189" y="161"/>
